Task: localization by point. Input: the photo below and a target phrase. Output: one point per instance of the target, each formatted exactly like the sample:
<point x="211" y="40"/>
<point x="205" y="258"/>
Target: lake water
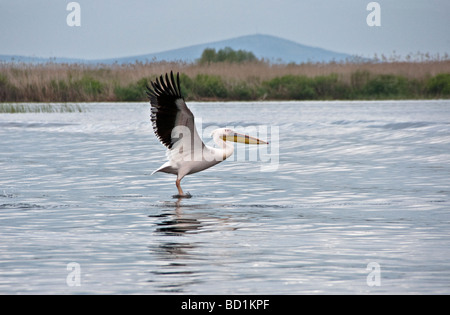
<point x="348" y="198"/>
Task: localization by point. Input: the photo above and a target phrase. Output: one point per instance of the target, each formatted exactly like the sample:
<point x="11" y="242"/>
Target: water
<point x="355" y="183"/>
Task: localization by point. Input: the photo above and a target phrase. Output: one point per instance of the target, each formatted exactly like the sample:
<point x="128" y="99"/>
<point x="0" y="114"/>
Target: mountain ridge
<point x="270" y="48"/>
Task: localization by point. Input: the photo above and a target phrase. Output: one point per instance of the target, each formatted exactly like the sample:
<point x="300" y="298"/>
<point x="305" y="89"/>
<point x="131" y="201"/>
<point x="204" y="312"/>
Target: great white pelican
<point x="173" y="124"/>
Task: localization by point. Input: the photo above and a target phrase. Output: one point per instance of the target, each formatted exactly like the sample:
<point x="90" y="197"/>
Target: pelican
<point x="174" y="126"/>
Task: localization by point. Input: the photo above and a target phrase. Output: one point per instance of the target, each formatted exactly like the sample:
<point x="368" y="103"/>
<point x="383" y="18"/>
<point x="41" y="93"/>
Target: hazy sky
<point x="113" y="28"/>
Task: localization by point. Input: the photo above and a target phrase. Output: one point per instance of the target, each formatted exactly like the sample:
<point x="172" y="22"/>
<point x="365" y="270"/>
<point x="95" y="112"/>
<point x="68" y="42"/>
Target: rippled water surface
<point x="343" y="187"/>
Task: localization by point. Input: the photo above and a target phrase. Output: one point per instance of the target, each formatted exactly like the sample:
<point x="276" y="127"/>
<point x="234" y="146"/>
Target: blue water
<point x="343" y="185"/>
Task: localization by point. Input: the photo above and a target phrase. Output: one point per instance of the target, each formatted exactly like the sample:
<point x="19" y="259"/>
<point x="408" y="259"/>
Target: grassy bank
<point x="227" y="81"/>
<point x="39" y="108"/>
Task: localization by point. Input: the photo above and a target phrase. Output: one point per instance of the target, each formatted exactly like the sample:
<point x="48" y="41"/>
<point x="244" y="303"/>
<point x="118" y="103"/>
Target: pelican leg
<point x="180" y="191"/>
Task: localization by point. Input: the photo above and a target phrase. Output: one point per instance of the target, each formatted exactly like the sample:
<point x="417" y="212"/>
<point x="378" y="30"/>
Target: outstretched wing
<point x="168" y="111"/>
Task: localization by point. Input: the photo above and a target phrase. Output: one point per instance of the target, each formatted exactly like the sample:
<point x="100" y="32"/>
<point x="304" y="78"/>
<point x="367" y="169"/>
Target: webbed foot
<point x="188" y="195"/>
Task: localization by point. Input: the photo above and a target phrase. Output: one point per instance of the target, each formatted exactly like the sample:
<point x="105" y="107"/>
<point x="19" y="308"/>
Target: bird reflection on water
<point x="177" y="223"/>
<point x="180" y="262"/>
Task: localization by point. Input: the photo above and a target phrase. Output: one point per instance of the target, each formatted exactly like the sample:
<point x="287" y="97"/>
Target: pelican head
<point x="227" y="134"/>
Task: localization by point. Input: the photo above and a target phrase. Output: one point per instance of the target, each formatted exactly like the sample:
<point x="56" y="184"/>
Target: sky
<point x="113" y="28"/>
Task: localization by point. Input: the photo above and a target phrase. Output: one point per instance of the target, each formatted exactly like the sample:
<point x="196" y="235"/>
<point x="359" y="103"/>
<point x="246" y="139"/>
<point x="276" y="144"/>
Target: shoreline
<point x="253" y="81"/>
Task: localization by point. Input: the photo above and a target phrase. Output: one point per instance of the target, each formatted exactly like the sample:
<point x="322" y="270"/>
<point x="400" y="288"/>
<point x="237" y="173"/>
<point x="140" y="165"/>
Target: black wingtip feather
<point x="163" y="94"/>
<point x="165" y="87"/>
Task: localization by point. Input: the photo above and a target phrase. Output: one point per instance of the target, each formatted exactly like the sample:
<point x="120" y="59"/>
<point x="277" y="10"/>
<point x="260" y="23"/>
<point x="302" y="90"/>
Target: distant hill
<point x="270" y="48"/>
<point x="31" y="59"/>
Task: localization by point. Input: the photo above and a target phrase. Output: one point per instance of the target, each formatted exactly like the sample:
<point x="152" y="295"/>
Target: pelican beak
<point x="241" y="138"/>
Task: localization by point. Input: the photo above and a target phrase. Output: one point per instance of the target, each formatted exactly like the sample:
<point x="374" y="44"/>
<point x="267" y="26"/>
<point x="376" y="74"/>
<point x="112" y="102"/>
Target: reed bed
<point x="258" y="80"/>
<point x="14" y="108"/>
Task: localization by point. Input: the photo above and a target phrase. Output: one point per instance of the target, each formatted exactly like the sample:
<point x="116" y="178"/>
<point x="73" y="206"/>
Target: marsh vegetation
<point x="229" y="76"/>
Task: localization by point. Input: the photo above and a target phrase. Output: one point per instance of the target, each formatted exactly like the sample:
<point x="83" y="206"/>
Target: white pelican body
<point x="173" y="124"/>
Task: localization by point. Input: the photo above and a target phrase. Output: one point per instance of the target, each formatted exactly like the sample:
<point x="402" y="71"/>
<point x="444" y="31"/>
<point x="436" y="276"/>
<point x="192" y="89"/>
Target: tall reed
<point x="53" y="82"/>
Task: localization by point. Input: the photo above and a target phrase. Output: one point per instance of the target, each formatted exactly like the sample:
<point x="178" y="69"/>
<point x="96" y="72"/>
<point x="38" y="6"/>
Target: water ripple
<point x="356" y="183"/>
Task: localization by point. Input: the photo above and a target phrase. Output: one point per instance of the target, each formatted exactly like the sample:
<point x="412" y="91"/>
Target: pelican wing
<point x="168" y="111"/>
